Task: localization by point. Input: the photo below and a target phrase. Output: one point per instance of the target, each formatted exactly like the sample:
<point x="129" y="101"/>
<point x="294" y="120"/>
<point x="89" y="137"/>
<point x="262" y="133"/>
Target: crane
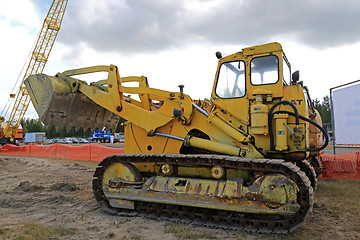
<point x="39" y="57"/>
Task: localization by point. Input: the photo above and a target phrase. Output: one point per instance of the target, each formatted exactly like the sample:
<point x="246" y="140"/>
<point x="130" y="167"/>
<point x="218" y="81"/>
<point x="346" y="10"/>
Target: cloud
<point x="16" y="16"/>
<point x="19" y="26"/>
<point x="146" y="37"/>
<point x="133" y="26"/>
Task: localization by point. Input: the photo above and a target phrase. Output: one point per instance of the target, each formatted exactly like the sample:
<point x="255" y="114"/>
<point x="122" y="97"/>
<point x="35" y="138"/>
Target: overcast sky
<point x="174" y="42"/>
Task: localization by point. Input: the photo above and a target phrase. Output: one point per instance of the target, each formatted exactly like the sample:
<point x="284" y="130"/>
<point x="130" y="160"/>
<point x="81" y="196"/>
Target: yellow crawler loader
<point x="244" y="159"/>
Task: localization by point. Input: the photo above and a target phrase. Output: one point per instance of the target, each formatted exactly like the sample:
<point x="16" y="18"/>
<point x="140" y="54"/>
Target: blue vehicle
<point x="103" y="137"/>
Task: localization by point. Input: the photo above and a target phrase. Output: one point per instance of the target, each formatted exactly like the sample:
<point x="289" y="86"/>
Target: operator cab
<point x="255" y="71"/>
<point x="239" y="78"/>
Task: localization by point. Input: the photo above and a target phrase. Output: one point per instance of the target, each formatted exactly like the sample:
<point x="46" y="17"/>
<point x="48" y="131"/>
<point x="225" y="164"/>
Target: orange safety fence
<point x="343" y="166"/>
<point x="88" y="152"/>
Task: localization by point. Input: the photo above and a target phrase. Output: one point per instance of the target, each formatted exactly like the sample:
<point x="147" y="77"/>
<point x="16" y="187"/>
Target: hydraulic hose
<point x="271" y="114"/>
<point x="313" y="123"/>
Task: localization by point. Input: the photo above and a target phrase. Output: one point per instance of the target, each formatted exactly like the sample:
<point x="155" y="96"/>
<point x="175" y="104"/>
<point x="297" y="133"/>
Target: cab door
<point x="230" y="90"/>
<point x="264" y="76"/>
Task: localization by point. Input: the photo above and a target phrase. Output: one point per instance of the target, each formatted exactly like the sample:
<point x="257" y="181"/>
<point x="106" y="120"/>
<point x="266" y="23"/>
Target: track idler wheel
<point x="116" y="175"/>
<point x="122" y="171"/>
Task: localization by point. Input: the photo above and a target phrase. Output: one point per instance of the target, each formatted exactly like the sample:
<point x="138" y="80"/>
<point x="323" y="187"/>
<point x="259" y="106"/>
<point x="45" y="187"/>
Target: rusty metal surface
<point x="235" y="205"/>
<point x="217" y="217"/>
<point x="57" y="105"/>
<point x="202" y="187"/>
<point x="63" y="108"/>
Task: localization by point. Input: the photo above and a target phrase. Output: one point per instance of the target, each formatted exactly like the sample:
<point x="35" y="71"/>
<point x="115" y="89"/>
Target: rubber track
<point x="198" y="216"/>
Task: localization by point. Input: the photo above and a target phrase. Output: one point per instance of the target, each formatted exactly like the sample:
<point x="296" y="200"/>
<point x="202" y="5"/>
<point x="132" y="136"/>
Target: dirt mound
<point x="26" y="186"/>
<point x="67" y="187"/>
<point x="11" y="203"/>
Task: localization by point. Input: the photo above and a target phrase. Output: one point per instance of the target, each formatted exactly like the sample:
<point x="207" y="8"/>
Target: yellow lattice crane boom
<point x="39" y="57"/>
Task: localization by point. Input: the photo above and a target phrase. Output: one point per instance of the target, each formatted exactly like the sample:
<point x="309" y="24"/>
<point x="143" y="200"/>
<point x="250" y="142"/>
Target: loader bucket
<point x="56" y="104"/>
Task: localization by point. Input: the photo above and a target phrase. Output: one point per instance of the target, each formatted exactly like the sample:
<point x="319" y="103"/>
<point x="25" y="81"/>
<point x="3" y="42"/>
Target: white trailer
<point x="35" y="137"/>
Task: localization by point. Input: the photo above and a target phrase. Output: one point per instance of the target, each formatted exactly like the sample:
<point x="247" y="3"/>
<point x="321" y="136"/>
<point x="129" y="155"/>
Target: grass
<point x="3" y="231"/>
<point x="182" y="231"/>
<point x="136" y="236"/>
<point x="35" y="231"/>
<point x="342" y="198"/>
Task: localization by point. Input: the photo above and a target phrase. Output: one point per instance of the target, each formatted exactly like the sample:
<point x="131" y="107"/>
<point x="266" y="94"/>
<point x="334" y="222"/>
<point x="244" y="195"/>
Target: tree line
<point x="324" y="108"/>
<point x="35" y="125"/>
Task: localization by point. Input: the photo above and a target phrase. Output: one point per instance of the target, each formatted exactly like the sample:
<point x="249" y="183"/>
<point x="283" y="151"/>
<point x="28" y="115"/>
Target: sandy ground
<point x="54" y="192"/>
<point x="58" y="193"/>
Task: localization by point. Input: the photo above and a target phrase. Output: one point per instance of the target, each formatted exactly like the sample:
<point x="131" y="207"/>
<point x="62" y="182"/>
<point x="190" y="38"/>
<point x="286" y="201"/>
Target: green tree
<point x="52" y="133"/>
<point x="32" y="125"/>
<point x="87" y="133"/>
<point x="72" y="132"/>
<point x="63" y="132"/>
<point x="323" y="108"/>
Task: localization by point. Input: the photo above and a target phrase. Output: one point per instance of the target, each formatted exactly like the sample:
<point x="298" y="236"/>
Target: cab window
<point x="231" y="80"/>
<point x="264" y="70"/>
<point x="286" y="72"/>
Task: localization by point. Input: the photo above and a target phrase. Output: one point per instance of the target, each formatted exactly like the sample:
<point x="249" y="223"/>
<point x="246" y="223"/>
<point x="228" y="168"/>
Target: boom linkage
<point x="111" y="95"/>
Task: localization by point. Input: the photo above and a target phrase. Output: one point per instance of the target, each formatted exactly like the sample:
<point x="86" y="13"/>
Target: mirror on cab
<point x="295" y="77"/>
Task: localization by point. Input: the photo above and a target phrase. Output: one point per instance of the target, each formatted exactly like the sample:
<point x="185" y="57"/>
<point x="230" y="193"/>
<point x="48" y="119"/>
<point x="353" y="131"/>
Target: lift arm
<point x="142" y="113"/>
